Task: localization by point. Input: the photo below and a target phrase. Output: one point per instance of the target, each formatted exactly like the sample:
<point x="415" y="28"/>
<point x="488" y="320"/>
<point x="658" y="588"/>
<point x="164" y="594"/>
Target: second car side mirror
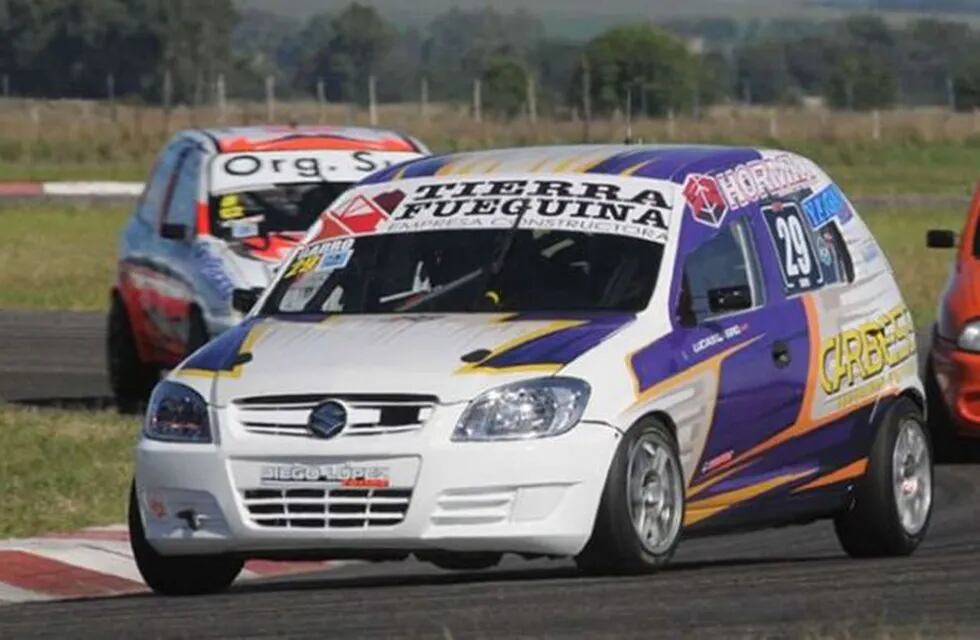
<point x="244" y="299"/>
<point x="725" y="299"/>
<point x="940" y="239"/>
<point x="172" y="231"/>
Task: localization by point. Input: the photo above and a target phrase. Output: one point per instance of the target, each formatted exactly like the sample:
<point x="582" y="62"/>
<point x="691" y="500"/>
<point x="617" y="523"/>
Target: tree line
<point x="175" y="51"/>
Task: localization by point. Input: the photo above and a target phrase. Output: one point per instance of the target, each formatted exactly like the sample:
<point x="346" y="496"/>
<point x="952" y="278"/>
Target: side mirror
<point x="940" y="239"/>
<point x="172" y="231"/>
<point x="725" y="299"/>
<point x="244" y="299"/>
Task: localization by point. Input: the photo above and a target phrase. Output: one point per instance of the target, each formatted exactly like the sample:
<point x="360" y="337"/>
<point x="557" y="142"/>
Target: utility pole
<point x="321" y="99"/>
<point x="586" y="99"/>
<point x="477" y="101"/>
<point x="532" y="100"/>
<point x="219" y="90"/>
<point x="110" y="89"/>
<point x="372" y="100"/>
<point x="270" y="98"/>
<point x="424" y="99"/>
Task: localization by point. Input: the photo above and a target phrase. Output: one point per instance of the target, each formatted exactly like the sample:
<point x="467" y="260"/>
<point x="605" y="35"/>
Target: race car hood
<point x="454" y="357"/>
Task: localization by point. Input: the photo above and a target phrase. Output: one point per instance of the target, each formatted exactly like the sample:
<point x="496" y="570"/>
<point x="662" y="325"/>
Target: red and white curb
<point x="103" y="188"/>
<point x="92" y="563"/>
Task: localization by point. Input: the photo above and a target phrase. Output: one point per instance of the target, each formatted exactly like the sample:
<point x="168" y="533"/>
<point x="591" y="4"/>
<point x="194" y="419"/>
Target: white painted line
<point x="10" y="594"/>
<point x="100" y="188"/>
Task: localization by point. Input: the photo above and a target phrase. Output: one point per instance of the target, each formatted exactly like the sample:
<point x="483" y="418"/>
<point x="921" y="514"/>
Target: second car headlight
<point x="969" y="339"/>
<point x="177" y="413"/>
<point x="530" y="409"/>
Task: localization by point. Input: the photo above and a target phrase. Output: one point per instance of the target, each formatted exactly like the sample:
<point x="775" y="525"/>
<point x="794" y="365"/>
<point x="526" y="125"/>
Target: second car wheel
<point x="178" y="575"/>
<point x="130" y="378"/>
<point x="642" y="509"/>
<point x="892" y="502"/>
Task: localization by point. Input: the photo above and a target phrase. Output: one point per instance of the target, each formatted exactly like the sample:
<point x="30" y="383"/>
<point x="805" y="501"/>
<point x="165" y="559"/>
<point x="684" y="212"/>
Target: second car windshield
<point x="271" y="209"/>
<point x="471" y="270"/>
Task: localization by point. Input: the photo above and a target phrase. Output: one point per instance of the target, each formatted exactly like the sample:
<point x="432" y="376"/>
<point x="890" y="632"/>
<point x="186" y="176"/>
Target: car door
<point x="726" y="312"/>
<point x="173" y="257"/>
<point x="138" y="280"/>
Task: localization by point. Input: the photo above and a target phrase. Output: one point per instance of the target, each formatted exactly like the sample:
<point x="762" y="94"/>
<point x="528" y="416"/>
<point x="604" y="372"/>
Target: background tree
<point x="505" y="83"/>
<point x="653" y="63"/>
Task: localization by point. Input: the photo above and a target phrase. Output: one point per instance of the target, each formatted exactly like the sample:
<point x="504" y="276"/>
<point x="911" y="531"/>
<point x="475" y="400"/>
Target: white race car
<point x="569" y="351"/>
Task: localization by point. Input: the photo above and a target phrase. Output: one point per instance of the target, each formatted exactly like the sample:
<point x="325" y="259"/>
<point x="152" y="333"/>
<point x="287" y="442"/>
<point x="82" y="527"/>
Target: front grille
<point x="370" y="414"/>
<point x="340" y="508"/>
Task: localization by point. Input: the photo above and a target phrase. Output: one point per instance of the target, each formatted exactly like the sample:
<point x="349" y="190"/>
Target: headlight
<point x="969" y="339"/>
<point x="177" y="413"/>
<point x="531" y="409"/>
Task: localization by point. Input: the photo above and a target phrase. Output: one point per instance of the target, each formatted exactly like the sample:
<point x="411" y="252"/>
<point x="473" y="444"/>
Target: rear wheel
<point x="130" y="378"/>
<point x="892" y="502"/>
<point x="197" y="331"/>
<point x="178" y="575"/>
<point x="642" y="509"/>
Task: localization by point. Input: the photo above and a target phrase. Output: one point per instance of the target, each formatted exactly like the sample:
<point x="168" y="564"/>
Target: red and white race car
<point x="221" y="209"/>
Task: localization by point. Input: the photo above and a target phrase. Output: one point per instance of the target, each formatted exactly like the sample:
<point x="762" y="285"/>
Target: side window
<point x="719" y="277"/>
<point x="835" y="259"/>
<point x="808" y="259"/>
<point x="182" y="204"/>
<point x="156" y="190"/>
<point x="794" y="248"/>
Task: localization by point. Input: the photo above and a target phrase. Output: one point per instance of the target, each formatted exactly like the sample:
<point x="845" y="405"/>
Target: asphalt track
<point x="779" y="583"/>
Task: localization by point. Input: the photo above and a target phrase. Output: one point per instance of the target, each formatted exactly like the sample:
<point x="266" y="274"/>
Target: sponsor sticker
<point x="826" y="204"/>
<point x="344" y="474"/>
<point x="234" y="171"/>
<point x="623" y="206"/>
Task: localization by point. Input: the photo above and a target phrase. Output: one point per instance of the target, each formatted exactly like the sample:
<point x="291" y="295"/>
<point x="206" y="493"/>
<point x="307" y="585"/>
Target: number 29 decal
<point x="796" y="257"/>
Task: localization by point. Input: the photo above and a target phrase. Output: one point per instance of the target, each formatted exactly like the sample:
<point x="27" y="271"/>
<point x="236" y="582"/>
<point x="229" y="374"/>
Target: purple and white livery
<point x="564" y="351"/>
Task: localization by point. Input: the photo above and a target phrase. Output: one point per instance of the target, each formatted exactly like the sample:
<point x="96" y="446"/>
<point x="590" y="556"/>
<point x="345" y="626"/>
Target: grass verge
<point x="58" y="256"/>
<point x="63" y="256"/>
<point x="921" y="272"/>
<point x="62" y="470"/>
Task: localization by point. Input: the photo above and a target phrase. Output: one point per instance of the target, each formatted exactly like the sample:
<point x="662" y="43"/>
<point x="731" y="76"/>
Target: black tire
<point x="463" y="561"/>
<point x="615" y="546"/>
<point x="197" y="331"/>
<point x="871" y="526"/>
<point x="130" y="379"/>
<point x="946" y="445"/>
<point x="178" y="575"/>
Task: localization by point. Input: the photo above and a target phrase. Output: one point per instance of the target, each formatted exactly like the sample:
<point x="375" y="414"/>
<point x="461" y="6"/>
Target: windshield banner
<point x="237" y="171"/>
<point x="635" y="207"/>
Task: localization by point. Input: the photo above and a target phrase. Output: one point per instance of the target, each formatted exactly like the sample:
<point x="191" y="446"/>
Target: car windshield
<point x="469" y="271"/>
<point x="271" y="209"/>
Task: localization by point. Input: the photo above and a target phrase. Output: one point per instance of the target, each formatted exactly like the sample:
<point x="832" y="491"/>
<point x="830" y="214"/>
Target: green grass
<point x="63" y="256"/>
<point x="920" y="272"/>
<point x="134" y="171"/>
<point x="58" y="255"/>
<point x="62" y="470"/>
<point x="866" y="168"/>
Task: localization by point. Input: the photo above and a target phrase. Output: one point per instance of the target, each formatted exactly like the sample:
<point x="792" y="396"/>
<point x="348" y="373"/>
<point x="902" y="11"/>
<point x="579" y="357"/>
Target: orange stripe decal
<point x="701" y="509"/>
<point x="846" y="472"/>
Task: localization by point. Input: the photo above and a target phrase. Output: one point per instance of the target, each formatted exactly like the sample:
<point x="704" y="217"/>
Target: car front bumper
<point x="537" y="496"/>
<point x="958" y="378"/>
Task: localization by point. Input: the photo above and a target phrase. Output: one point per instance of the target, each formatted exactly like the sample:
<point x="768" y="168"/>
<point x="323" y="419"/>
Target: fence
<point x="78" y="131"/>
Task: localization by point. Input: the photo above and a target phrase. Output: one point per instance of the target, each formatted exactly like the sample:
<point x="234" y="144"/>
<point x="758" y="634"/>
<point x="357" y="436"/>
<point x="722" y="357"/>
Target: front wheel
<point x="642" y="509"/>
<point x="178" y="575"/>
<point x="892" y="502"/>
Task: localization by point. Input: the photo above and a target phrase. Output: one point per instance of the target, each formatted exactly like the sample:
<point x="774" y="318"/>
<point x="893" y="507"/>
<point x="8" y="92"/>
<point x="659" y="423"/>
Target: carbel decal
<point x="632" y="207"/>
<point x="864" y="353"/>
